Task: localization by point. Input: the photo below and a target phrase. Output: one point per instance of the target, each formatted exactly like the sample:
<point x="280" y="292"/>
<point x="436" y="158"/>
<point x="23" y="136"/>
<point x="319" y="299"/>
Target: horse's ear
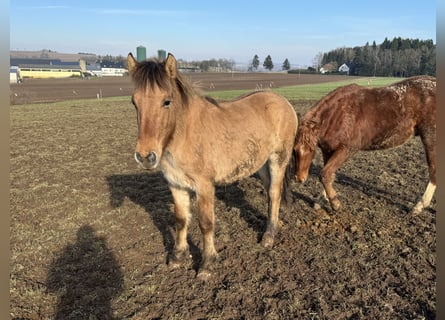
<point x="170" y="66"/>
<point x="132" y="63"/>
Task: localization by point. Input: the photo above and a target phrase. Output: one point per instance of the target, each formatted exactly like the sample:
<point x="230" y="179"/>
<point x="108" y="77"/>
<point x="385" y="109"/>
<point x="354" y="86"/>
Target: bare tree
<point x="317" y="61"/>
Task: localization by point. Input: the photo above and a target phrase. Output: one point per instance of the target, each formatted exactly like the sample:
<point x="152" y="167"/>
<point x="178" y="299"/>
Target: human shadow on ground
<point x="86" y="276"/>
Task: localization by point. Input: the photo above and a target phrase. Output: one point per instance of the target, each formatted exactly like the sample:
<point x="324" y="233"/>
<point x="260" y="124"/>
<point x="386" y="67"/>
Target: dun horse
<point x="353" y="118"/>
<point x="197" y="143"/>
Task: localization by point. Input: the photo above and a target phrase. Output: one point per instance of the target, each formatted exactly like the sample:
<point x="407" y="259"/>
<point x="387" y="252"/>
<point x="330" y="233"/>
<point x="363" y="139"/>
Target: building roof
<point x="43" y="63"/>
<point x="343" y="67"/>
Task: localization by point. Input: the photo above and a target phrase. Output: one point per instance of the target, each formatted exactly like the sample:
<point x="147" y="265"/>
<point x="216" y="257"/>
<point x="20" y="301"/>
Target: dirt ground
<point x="51" y="90"/>
<point x="91" y="233"/>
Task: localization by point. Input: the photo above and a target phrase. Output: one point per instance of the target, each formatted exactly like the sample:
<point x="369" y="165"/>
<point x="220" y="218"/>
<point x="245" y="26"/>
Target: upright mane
<point x="152" y="72"/>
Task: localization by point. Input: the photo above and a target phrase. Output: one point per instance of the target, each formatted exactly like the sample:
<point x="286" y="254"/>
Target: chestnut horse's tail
<point x="286" y="195"/>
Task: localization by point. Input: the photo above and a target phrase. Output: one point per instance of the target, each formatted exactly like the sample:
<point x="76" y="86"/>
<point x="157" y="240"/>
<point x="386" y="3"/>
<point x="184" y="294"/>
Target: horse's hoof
<point x="177" y="259"/>
<point x="174" y="264"/>
<point x="335" y="205"/>
<point x="204" y="275"/>
<point x="267" y="241"/>
<point x="417" y="208"/>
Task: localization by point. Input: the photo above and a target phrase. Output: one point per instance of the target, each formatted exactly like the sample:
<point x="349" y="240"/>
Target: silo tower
<point x="141" y="53"/>
<point x="162" y="54"/>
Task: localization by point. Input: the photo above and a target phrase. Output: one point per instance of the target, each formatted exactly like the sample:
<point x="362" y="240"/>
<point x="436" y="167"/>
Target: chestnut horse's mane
<point x="152" y="72"/>
<point x="310" y="125"/>
<point x="308" y="133"/>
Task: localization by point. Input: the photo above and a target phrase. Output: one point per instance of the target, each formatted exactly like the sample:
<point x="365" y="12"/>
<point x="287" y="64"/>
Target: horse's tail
<point x="286" y="195"/>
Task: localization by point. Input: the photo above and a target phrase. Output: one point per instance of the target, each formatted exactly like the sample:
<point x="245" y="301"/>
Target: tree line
<point x="228" y="65"/>
<point x="267" y="64"/>
<point x="397" y="57"/>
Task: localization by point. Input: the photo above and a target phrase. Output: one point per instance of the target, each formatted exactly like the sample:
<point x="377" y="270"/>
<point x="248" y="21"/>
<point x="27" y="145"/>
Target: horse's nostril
<point x="152" y="158"/>
<point x="138" y="157"/>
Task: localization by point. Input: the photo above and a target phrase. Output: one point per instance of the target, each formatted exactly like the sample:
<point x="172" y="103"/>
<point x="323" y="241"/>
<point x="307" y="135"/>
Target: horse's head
<point x="304" y="148"/>
<point x="159" y="97"/>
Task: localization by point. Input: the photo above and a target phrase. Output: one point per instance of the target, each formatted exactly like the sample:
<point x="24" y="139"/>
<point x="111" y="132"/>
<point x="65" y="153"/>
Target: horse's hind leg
<point x="181" y="200"/>
<point x="276" y="176"/>
<point x="426" y="198"/>
<point x="429" y="144"/>
<point x="205" y="194"/>
<point x="328" y="174"/>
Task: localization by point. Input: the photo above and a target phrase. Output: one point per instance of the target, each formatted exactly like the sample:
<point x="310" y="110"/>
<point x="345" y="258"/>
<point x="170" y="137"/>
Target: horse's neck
<point x="191" y="117"/>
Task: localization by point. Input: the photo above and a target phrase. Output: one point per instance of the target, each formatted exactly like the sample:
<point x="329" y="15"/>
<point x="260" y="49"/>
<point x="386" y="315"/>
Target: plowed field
<point x="91" y="233"/>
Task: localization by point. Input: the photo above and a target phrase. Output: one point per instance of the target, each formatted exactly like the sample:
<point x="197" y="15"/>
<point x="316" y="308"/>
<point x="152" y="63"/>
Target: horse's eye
<point x="166" y="103"/>
<point x="133" y="103"/>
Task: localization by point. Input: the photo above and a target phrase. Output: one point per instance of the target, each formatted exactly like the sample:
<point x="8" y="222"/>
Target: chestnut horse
<point x="353" y="118"/>
<point x="197" y="143"/>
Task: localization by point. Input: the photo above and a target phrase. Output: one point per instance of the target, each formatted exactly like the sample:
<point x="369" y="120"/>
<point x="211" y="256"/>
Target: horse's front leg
<point x="275" y="188"/>
<point x="206" y="204"/>
<point x="328" y="174"/>
<point x="181" y="199"/>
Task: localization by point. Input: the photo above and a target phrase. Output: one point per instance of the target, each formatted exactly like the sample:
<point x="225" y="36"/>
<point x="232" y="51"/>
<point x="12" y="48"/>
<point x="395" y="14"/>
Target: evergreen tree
<point x="398" y="57"/>
<point x="255" y="62"/>
<point x="286" y="65"/>
<point x="268" y="64"/>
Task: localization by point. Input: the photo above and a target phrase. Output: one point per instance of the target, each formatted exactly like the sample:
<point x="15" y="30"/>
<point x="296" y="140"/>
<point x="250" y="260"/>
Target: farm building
<point x="344" y="68"/>
<point x="14" y="75"/>
<point x="56" y="68"/>
<point x="328" y="67"/>
<point x="113" y="72"/>
<point x="46" y="68"/>
<point x="93" y="70"/>
<point x="43" y="72"/>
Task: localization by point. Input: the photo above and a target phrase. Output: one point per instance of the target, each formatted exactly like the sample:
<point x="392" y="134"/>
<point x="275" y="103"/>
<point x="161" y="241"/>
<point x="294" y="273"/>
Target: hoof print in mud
<point x="204" y="275"/>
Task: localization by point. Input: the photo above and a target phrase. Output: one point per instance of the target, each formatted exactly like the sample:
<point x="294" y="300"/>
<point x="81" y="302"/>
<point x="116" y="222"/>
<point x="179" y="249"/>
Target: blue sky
<point x="196" y="30"/>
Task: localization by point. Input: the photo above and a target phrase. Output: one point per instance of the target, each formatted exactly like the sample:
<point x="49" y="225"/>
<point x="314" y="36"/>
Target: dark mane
<point x="152" y="73"/>
<point x="212" y="101"/>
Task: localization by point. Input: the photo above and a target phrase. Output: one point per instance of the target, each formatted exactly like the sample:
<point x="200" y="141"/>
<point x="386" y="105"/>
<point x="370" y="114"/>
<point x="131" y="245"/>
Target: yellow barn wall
<point x="24" y="73"/>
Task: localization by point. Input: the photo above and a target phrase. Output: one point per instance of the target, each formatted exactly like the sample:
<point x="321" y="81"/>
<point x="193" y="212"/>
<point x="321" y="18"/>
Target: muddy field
<point x="51" y="90"/>
<point x="91" y="233"/>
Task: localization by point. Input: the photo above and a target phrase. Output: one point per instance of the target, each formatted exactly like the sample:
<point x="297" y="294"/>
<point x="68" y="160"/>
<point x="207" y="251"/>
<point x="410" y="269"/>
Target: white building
<point x="14" y="75"/>
<point x="344" y="68"/>
<point x="116" y="72"/>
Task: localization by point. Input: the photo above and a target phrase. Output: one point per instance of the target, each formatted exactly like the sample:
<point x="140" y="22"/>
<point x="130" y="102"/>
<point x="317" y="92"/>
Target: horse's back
<point x="251" y="129"/>
<point x="263" y="111"/>
<point x="263" y="101"/>
<point x="417" y="100"/>
<point x="375" y="118"/>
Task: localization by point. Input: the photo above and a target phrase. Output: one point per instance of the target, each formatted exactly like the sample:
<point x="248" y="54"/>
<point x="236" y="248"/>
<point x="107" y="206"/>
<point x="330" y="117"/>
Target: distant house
<point x="344" y="68"/>
<point x="113" y="72"/>
<point x="113" y="69"/>
<point x="328" y="67"/>
<point x="94" y="70"/>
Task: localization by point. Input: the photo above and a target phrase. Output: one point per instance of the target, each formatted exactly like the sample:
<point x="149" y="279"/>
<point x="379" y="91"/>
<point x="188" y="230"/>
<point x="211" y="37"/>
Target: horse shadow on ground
<point x="151" y="192"/>
<point x="86" y="276"/>
<point x="364" y="185"/>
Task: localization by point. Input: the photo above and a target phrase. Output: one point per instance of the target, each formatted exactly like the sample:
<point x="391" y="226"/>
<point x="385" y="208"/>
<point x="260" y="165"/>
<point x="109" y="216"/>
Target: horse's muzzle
<point x="149" y="162"/>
